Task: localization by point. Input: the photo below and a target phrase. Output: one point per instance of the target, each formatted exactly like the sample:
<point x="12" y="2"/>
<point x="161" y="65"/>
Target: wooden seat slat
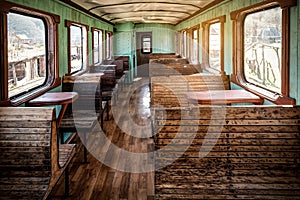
<point x="31" y="161"/>
<point x="255" y="154"/>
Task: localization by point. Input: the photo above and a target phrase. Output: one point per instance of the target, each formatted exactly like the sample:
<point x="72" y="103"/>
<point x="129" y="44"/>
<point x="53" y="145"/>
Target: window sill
<point x="263" y="93"/>
<point x="19" y="100"/>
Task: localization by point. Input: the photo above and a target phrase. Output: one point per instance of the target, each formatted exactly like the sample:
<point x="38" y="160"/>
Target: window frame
<point x="93" y="45"/>
<point x="191" y="46"/>
<point x="68" y="24"/>
<point x="108" y="45"/>
<point x="142" y="44"/>
<point x="184" y="43"/>
<point x="205" y="40"/>
<point x="52" y="78"/>
<point x="237" y="76"/>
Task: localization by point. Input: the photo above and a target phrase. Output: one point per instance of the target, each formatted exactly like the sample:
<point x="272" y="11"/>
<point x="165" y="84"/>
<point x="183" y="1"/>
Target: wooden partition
<point x="170" y="91"/>
<point x="163" y="55"/>
<point x="246" y="153"/>
<point x="157" y="69"/>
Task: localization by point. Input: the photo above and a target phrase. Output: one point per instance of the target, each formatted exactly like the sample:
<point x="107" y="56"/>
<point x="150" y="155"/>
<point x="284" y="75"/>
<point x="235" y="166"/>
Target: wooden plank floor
<point x="95" y="180"/>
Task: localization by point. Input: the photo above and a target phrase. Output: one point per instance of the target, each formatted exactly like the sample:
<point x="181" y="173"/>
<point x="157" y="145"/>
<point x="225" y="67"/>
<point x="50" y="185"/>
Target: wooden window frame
<point x="191" y="49"/>
<point x="237" y="76"/>
<point x="142" y="44"/>
<point x="52" y="78"/>
<point x="205" y="40"/>
<point x="68" y="24"/>
<point x="184" y="44"/>
<point x="109" y="48"/>
<point x="93" y="44"/>
<point x="177" y="37"/>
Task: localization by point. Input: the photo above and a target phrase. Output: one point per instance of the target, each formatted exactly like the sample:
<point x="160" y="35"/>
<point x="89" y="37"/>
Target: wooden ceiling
<point x="144" y="11"/>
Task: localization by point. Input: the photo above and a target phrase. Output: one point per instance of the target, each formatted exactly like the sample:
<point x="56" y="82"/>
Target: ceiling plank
<point x="135" y="3"/>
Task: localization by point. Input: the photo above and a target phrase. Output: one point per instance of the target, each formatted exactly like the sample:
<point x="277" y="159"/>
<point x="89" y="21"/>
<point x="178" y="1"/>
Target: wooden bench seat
<point x="157" y="69"/>
<point x="246" y="152"/>
<point x="163" y="55"/>
<point x="31" y="160"/>
<point x="168" y="61"/>
<point x="170" y="91"/>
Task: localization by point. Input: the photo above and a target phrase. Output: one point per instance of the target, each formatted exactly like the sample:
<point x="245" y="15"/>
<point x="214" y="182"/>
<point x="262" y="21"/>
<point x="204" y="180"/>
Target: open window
<point x="77" y="47"/>
<point x="261" y="50"/>
<point x="213" y="41"/>
<point x="28" y="53"/>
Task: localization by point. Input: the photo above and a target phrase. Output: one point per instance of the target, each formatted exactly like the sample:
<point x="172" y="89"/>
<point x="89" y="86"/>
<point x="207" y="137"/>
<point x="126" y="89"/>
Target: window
<point x="213" y="40"/>
<point x="177" y="43"/>
<point x="29" y="55"/>
<point x="146" y="44"/>
<point x="184" y="44"/>
<point x="261" y="55"/>
<point x="97" y="45"/>
<point x="262" y="48"/>
<point x="77" y="47"/>
<point x="109" y="43"/>
<point x="195" y="45"/>
<point x="26" y="53"/>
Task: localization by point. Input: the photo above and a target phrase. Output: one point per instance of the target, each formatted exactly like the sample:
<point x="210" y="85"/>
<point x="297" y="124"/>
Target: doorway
<point x="143" y="49"/>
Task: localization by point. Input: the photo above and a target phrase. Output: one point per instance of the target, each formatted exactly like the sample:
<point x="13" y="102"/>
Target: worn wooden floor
<point x="95" y="180"/>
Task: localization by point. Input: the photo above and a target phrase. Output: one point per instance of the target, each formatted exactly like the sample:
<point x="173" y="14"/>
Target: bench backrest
<point x="157" y="69"/>
<point x="170" y="91"/>
<point x="119" y="66"/>
<point x="169" y="60"/>
<point x="163" y="55"/>
<point x="249" y="152"/>
<point x="108" y="81"/>
<point x="89" y="90"/>
<point x="125" y="60"/>
<point x="29" y="152"/>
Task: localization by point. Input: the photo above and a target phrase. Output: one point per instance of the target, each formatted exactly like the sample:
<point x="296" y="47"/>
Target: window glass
<point x="184" y="44"/>
<point x="97" y="46"/>
<point x="214" y="46"/>
<point x="108" y="45"/>
<point x="77" y="48"/>
<point x="262" y="48"/>
<point x="26" y="53"/>
<point x="146" y="44"/>
<point x="195" y="44"/>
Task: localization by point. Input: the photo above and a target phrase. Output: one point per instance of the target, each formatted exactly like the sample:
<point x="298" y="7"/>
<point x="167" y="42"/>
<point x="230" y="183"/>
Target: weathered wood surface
<point x="95" y="180"/>
<point x="157" y="69"/>
<point x="31" y="162"/>
<point x="163" y="55"/>
<point x="119" y="66"/>
<point x="170" y="91"/>
<point x="168" y="60"/>
<point x="250" y="152"/>
<point x="108" y="81"/>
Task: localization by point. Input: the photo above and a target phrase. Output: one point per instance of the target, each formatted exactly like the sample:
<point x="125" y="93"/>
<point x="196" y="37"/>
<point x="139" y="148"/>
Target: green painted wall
<point x="66" y="12"/>
<point x="228" y="6"/>
<point x="125" y="39"/>
<point x="123" y="43"/>
<point x="162" y="36"/>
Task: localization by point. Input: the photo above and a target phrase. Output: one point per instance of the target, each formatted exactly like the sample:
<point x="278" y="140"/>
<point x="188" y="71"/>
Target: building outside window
<point x="262" y="48"/>
<point x="26" y="53"/>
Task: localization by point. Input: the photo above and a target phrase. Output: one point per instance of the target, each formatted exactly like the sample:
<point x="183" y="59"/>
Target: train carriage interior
<point x="149" y="99"/>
